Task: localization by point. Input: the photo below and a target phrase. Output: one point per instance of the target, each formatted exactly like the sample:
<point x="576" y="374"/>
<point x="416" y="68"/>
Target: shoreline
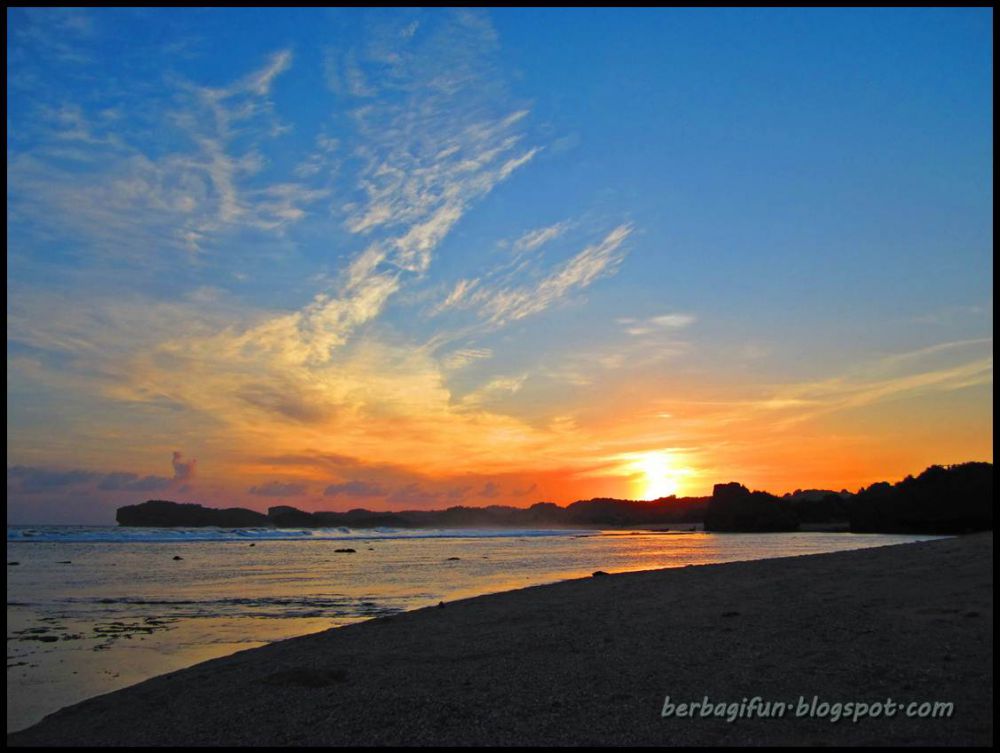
<point x="590" y="661"/>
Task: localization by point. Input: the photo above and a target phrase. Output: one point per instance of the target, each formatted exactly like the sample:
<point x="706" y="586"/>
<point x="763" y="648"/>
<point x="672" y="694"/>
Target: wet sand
<point x="590" y="662"/>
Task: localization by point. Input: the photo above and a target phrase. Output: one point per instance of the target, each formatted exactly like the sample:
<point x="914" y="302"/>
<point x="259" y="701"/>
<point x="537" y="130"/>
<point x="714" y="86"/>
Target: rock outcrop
<point x="161" y="513"/>
<point x="820" y="506"/>
<point x="734" y="508"/>
<point x="284" y="516"/>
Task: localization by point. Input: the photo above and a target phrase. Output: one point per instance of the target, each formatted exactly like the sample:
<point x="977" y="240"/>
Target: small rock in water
<point x="64" y="562"/>
<point x="178" y="557"/>
<point x="599" y="573"/>
<point x="11" y="564"/>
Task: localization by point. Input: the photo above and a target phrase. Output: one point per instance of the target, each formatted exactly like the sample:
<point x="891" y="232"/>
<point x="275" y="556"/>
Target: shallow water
<point x="91" y="609"/>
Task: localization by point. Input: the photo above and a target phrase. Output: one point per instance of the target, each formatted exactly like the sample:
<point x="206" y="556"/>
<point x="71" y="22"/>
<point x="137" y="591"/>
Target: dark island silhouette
<point x="948" y="500"/>
<point x="584" y="513"/>
<point x="941" y="500"/>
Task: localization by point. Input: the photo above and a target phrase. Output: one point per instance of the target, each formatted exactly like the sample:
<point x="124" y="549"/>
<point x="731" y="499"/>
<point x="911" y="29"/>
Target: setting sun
<point x="660" y="476"/>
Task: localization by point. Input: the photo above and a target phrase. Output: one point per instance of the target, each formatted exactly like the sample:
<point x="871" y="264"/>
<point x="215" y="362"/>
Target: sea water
<point x="93" y="609"/>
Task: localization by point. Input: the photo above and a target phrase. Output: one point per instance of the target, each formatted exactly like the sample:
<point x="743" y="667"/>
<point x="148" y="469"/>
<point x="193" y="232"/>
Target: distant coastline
<point x="941" y="500"/>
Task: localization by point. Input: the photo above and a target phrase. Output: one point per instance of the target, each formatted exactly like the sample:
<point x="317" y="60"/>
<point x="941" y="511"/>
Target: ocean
<point x="94" y="609"/>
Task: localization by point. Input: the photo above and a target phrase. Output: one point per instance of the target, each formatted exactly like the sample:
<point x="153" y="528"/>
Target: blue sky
<point x="457" y="255"/>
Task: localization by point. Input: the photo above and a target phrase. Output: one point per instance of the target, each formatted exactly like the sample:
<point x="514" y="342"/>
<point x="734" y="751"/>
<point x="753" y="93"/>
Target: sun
<point x="658" y="474"/>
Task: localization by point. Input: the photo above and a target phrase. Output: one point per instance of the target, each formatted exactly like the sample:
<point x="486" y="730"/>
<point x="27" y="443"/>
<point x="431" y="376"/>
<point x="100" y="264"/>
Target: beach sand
<point x="590" y="662"/>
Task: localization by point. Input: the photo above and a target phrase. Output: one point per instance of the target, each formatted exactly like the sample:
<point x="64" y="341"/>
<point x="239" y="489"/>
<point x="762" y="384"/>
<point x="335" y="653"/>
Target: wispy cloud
<point x="459" y="295"/>
<point x="535" y="239"/>
<point x="432" y="134"/>
<point x="938" y="368"/>
<point x="812" y="399"/>
<point x="456" y="359"/>
<point x="494" y="389"/>
<point x="659" y="323"/>
<point x="135" y="194"/>
<point x="502" y="300"/>
<point x="441" y="135"/>
<point x="62" y="34"/>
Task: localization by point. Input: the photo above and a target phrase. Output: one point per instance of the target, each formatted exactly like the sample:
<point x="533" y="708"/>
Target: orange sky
<point x="383" y="260"/>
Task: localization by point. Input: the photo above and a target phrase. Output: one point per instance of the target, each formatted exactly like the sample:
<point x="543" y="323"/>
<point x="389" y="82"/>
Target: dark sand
<point x="590" y="661"/>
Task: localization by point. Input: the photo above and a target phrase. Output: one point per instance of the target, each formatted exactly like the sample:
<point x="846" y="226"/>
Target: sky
<point x="410" y="259"/>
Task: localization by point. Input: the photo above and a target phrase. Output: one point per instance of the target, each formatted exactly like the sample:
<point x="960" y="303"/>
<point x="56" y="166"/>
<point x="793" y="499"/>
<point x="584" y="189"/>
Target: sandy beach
<point x="591" y="661"/>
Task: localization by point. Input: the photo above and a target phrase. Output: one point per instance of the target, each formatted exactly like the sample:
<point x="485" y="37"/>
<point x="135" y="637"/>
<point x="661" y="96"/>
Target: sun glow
<point x="658" y="474"/>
